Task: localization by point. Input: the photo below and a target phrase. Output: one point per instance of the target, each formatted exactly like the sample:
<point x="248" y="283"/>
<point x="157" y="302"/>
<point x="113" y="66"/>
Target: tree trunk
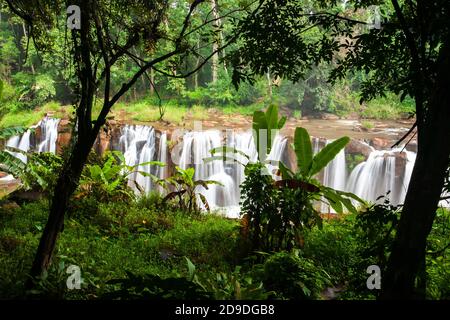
<point x="424" y="191"/>
<point x="269" y="84"/>
<point x="197" y="62"/>
<point x="215" y="45"/>
<point x="66" y="185"/>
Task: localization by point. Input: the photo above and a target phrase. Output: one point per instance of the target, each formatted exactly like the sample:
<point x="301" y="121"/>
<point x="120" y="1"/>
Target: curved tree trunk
<point x="424" y="192"/>
<point x="65" y="187"/>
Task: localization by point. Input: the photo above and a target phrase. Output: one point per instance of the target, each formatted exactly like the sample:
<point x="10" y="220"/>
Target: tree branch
<point x="405" y="135"/>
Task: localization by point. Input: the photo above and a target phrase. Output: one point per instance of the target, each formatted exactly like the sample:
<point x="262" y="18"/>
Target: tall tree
<point x="110" y="30"/>
<point x="215" y="45"/>
<point x="409" y="55"/>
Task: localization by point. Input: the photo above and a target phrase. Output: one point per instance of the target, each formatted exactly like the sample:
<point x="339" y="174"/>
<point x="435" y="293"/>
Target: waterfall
<point x="49" y="134"/>
<point x="197" y="147"/>
<point x="162" y="157"/>
<point x="21" y="143"/>
<point x="335" y="173"/>
<point x="138" y="144"/>
<point x="47" y="143"/>
<point x="382" y="173"/>
<point x="242" y="141"/>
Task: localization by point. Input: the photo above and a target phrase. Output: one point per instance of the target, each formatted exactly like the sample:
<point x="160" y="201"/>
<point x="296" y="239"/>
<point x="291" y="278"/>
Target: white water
<point x="379" y="177"/>
<point x="369" y="180"/>
<point x="21" y="143"/>
<point x="49" y="135"/>
<point x="138" y="144"/>
<point x="49" y="129"/>
<point x="380" y="173"/>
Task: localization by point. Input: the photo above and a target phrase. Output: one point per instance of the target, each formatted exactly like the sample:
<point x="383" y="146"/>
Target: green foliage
<point x="154" y="287"/>
<point x="195" y="286"/>
<point x="34" y="91"/>
<point x="294" y="277"/>
<point x="187" y="190"/>
<point x="41" y="172"/>
<point x="8" y="162"/>
<point x="259" y="208"/>
<point x="308" y="166"/>
<point x="264" y="125"/>
<point x="108" y="180"/>
<point x="438" y="257"/>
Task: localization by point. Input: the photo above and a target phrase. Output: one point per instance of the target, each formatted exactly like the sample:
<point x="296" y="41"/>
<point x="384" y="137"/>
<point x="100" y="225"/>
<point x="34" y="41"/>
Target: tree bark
<point x="215" y="45"/>
<point x="424" y="191"/>
<point x="66" y="185"/>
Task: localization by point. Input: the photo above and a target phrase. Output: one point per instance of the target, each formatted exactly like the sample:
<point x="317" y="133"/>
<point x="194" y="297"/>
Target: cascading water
<point x="197" y="147"/>
<point x="138" y="144"/>
<point x="21" y="143"/>
<point x="383" y="171"/>
<point x="49" y="129"/>
<point x="335" y="173"/>
<point x="47" y="143"/>
<point x="381" y="174"/>
<point x="242" y="141"/>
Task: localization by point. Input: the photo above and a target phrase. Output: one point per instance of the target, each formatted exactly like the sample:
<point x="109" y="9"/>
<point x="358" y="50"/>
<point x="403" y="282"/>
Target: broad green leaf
<point x="351" y="195"/>
<point x="334" y="200"/>
<point x="327" y="154"/>
<point x="272" y="117"/>
<point x="303" y="150"/>
<point x="286" y="173"/>
<point x="191" y="269"/>
<point x="282" y="122"/>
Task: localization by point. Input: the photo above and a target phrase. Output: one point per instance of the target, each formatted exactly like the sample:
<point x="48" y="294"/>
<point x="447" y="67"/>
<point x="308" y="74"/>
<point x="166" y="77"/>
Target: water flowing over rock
<point x="49" y="135"/>
<point x="43" y="139"/>
<point x="376" y="173"/>
<point x="385" y="173"/>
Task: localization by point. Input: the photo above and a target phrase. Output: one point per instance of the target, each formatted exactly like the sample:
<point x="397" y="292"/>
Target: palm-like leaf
<point x="11" y="164"/>
<point x="327" y="154"/>
<point x="303" y="150"/>
<point x="12" y="131"/>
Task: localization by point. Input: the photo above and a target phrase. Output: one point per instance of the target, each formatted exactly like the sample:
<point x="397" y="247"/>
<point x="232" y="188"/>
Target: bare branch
<point x="405" y="135"/>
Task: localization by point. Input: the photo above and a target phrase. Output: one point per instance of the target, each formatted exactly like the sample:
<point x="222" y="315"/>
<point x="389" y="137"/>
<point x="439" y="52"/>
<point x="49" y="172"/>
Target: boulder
<point x="358" y="147"/>
<point x="380" y="143"/>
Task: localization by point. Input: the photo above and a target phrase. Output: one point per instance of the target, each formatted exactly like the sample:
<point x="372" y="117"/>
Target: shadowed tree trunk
<point x="424" y="191"/>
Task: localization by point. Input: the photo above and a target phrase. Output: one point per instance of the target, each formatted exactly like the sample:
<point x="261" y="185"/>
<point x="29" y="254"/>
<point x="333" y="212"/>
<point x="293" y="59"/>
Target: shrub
<point x="294" y="277"/>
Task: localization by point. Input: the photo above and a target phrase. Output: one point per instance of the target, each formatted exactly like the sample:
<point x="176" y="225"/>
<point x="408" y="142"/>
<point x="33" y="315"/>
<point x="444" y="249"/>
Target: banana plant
<point x="108" y="179"/>
<point x="187" y="189"/>
<point x="309" y="165"/>
<point x="265" y="126"/>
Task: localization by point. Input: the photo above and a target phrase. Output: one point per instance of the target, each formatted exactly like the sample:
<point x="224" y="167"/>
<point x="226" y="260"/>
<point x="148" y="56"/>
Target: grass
<point x="383" y="108"/>
<point x="28" y="118"/>
<point x="147" y="110"/>
<point x="366" y="124"/>
<point x="119" y="238"/>
<point x="140" y="237"/>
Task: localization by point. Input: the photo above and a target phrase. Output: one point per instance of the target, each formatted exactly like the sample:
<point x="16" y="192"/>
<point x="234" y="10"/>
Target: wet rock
<point x="358" y="147"/>
<point x="380" y="143"/>
<point x="62" y="141"/>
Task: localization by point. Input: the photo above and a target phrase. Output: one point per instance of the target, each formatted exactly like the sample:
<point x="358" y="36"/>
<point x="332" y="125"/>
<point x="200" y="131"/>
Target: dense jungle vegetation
<point x="158" y="61"/>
